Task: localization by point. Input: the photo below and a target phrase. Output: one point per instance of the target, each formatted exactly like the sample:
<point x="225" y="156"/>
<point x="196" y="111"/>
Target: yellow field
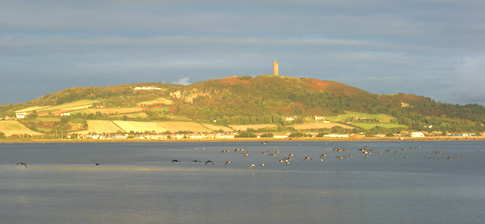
<point x="79" y="103"/>
<point x="308" y="126"/>
<point x="29" y="109"/>
<point x="163" y="126"/>
<point x="158" y="101"/>
<point x="253" y="126"/>
<point x="100" y="126"/>
<point x="15" y="128"/>
<point x="216" y="127"/>
<point x="109" y="111"/>
<point x="132" y="115"/>
<point x="175" y="126"/>
<point x="138" y="126"/>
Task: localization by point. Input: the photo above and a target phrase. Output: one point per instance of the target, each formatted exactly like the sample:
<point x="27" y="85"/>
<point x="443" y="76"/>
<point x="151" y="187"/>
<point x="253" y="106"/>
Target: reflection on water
<point x="137" y="183"/>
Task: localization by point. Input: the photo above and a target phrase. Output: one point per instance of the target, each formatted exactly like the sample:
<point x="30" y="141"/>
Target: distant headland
<point x="239" y="107"/>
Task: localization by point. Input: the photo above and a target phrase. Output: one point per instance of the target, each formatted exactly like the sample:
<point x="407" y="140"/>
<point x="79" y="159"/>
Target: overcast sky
<point x="433" y="48"/>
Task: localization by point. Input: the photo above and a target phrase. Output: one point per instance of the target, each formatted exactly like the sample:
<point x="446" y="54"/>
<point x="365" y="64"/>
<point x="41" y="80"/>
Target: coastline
<point x="317" y="139"/>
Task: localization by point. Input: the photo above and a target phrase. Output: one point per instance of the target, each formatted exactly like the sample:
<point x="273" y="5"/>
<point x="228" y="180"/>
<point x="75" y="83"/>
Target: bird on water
<point x="96" y="163"/>
<point x="22" y="163"/>
<point x="209" y="161"/>
<point x="175" y="161"/>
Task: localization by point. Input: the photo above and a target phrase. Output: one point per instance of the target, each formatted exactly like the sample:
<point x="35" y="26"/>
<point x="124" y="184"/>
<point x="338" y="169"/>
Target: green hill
<point x="242" y="100"/>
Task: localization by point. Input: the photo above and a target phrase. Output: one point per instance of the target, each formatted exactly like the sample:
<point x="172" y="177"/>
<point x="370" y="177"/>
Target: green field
<point x="158" y="101"/>
<point x="383" y="119"/>
<point x="383" y="125"/>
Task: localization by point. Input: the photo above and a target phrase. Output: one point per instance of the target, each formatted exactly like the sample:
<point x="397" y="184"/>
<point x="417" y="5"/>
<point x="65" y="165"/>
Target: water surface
<point x="138" y="183"/>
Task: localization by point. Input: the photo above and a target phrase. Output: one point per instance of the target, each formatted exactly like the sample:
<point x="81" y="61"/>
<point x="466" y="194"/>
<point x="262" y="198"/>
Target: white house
<point x="225" y="135"/>
<point x="319" y="118"/>
<point x="21" y="115"/>
<point x="281" y="135"/>
<point x="417" y="135"/>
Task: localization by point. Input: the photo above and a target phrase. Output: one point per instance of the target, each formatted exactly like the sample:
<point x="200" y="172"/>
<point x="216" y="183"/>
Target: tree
<point x="267" y="135"/>
<point x="32" y="115"/>
<point x="2" y="135"/>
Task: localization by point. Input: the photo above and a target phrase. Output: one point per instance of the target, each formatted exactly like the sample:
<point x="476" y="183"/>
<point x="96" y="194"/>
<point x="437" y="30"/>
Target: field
<point x="388" y="125"/>
<point x="110" y="111"/>
<point x="130" y="116"/>
<point x="104" y="126"/>
<point x="101" y="126"/>
<point x="252" y="126"/>
<point x="70" y="106"/>
<point x="158" y="101"/>
<point x="175" y="126"/>
<point x="29" y="109"/>
<point x="163" y="126"/>
<point x="138" y="126"/>
<point x="216" y="128"/>
<point x="15" y="128"/>
<point x="47" y="119"/>
<point x="309" y="126"/>
<point x="383" y="119"/>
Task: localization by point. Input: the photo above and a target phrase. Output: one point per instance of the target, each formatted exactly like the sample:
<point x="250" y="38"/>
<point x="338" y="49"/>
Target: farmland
<point x="216" y="127"/>
<point x="101" y="126"/>
<point x="382" y="120"/>
<point x="104" y="126"/>
<point x="137" y="126"/>
<point x="70" y="106"/>
<point x="310" y="126"/>
<point x="175" y="126"/>
<point x="158" y="101"/>
<point x="10" y="128"/>
<point x="110" y="111"/>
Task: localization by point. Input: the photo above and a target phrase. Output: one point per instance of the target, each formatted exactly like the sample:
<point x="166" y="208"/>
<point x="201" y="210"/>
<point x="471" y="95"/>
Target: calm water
<point x="138" y="183"/>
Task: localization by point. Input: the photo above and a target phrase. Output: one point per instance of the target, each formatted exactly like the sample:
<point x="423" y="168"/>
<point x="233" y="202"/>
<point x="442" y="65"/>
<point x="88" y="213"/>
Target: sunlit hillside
<point x="276" y="103"/>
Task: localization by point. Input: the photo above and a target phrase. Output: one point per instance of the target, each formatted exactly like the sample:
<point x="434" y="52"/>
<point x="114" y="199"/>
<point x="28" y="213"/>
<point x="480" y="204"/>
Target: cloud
<point x="378" y="45"/>
<point x="182" y="81"/>
<point x="470" y="81"/>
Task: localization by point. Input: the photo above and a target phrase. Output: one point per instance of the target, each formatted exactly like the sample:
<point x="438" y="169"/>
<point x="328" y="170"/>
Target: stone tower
<point x="275" y="67"/>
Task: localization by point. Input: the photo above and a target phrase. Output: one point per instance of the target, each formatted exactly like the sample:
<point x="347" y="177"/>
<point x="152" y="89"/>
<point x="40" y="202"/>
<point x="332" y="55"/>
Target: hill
<point x="279" y="103"/>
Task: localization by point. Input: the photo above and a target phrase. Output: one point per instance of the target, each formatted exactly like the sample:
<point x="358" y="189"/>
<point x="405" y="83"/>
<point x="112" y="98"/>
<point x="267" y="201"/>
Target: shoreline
<point x="440" y="138"/>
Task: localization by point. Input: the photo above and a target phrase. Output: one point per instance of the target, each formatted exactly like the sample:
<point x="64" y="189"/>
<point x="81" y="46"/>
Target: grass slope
<point x="10" y="128"/>
<point x="384" y="120"/>
<point x="101" y="126"/>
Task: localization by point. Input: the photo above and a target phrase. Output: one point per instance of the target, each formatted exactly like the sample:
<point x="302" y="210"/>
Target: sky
<point x="433" y="48"/>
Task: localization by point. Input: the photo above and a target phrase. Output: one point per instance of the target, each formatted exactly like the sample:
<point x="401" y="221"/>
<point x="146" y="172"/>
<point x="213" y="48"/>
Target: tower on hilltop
<point x="275" y="67"/>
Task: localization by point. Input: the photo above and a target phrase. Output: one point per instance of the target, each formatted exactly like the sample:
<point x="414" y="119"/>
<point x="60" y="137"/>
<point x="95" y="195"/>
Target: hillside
<point x="281" y="103"/>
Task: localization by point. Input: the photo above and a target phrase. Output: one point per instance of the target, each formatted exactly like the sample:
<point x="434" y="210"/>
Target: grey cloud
<point x="379" y="46"/>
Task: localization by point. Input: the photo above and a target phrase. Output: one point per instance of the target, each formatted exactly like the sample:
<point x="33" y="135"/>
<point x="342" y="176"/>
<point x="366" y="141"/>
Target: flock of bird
<point x="286" y="159"/>
<point x="339" y="153"/>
